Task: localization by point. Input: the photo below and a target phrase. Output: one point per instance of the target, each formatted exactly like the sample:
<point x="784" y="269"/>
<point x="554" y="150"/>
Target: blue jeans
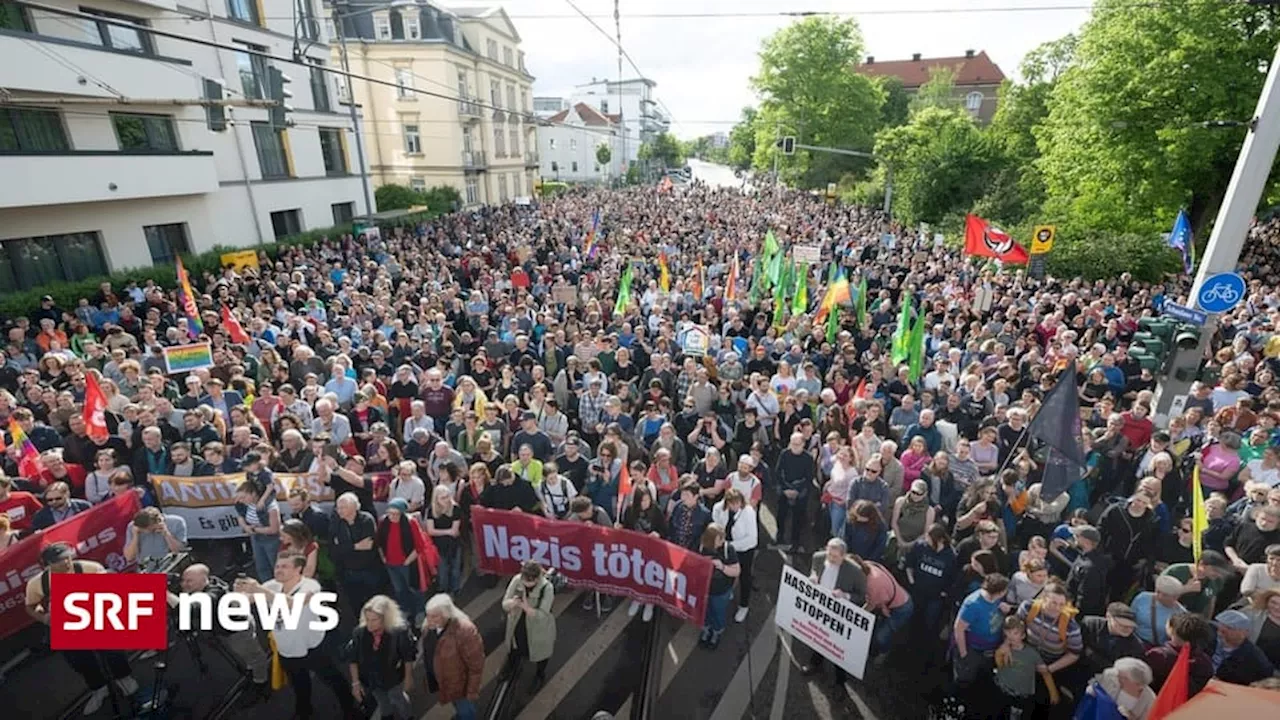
<point x="839" y="514"/>
<point x="887" y="627"/>
<point x="718" y="610"/>
<point x="450" y="571"/>
<point x="407" y="593"/>
<point x="464" y="709"/>
<point x="265" y="550"/>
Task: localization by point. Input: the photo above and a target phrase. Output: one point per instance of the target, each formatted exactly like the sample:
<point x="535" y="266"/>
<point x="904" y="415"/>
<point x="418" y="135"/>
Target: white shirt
<point x="297" y="643"/>
<point x="413" y="491"/>
<point x="829" y="575"/>
<point x="1263" y="475"/>
<point x="744" y="534"/>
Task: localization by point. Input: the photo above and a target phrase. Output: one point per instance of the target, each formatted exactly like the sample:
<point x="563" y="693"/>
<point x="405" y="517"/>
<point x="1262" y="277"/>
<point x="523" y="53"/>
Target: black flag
<point x="1057" y="425"/>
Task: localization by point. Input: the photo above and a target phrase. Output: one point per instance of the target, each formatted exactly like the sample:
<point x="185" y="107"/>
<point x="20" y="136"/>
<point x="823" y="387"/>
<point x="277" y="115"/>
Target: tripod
<point x="244" y="678"/>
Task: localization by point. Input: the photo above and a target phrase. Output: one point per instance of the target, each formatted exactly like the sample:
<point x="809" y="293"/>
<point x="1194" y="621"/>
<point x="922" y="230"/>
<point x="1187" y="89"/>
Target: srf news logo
<point x="131" y="612"/>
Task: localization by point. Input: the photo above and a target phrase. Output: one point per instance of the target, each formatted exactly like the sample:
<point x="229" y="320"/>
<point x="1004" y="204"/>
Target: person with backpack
<point x="531" y="626"/>
<point x="59" y="557"/>
<point x="1053" y="631"/>
<point x="380" y="656"/>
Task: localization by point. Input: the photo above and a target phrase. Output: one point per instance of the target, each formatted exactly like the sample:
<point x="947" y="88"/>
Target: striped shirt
<point x="1046" y="635"/>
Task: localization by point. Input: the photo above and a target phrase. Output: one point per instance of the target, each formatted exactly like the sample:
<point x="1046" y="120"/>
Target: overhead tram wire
<point x="301" y="62"/>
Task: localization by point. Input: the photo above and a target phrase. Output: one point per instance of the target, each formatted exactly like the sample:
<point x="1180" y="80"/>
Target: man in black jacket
<point x="1087" y="581"/>
<point x="1129" y="531"/>
<point x="795" y="472"/>
<point x="1107" y="639"/>
<point x="1235" y="658"/>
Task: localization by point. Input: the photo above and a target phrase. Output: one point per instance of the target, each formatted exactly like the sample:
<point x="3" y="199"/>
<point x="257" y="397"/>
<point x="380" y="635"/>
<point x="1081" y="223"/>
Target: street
<point x="713" y="174"/>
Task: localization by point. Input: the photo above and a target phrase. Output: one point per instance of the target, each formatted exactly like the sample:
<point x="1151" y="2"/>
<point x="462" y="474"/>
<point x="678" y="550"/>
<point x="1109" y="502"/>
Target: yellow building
<point x="483" y="144"/>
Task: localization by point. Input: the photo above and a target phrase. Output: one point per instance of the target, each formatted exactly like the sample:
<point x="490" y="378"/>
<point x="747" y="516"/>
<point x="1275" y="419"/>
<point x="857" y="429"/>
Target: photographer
<point x="153" y="535"/>
<point x="531" y="626"/>
<point x="243" y="644"/>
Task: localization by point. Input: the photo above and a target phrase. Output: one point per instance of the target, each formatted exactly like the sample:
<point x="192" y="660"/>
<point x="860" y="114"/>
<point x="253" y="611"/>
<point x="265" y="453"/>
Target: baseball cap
<point x="528" y="415"/>
<point x="1233" y="620"/>
<point x="1120" y="611"/>
<point x="47" y="298"/>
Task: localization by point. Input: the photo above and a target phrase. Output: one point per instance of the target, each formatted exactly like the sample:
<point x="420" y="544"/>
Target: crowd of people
<point x="449" y="356"/>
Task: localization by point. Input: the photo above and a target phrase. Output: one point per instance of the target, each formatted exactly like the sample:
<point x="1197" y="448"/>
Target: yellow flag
<point x="1199" y="516"/>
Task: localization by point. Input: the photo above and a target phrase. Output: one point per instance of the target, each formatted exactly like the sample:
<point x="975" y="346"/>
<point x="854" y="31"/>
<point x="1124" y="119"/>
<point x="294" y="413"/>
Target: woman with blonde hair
<point x="381" y="652"/>
<point x="444" y="525"/>
<point x="469" y="396"/>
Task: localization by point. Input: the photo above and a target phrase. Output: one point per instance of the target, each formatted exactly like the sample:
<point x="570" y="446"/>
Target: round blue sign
<point x="1221" y="292"/>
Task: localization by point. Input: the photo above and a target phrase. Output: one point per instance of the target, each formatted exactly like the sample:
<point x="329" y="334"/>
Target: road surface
<point x="713" y="174"/>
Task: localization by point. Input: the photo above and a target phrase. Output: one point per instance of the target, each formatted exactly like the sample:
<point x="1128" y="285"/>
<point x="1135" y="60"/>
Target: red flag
<point x="428" y="561"/>
<point x="983" y="239"/>
<point x="624" y="489"/>
<point x="95" y="408"/>
<point x="1176" y="688"/>
<point x="861" y="391"/>
<point x="234" y="328"/>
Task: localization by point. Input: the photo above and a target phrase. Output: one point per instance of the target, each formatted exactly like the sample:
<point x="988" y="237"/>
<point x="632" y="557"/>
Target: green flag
<point x="624" y="292"/>
<point x="916" y="348"/>
<point x="800" y="298"/>
<point x="757" y="282"/>
<point x="779" y="305"/>
<point x="770" y="245"/>
<point x="862" y="303"/>
<point x="833" y="324"/>
<point x="902" y="333"/>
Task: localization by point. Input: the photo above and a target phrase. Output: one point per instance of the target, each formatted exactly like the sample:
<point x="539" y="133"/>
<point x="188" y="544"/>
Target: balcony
<point x="531" y="159"/>
<point x="59" y="178"/>
<point x="469" y="110"/>
<point x="27" y="66"/>
<point x="473" y="160"/>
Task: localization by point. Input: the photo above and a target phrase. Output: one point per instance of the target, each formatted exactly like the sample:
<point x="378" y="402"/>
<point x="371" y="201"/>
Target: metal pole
<point x="355" y="120"/>
<point x="235" y="133"/>
<point x="777" y="136"/>
<point x="888" y="190"/>
<point x="1248" y="180"/>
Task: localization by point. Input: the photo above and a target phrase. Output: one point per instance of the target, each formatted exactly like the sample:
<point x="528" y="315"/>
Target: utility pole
<point x="1244" y="191"/>
<point x="369" y="208"/>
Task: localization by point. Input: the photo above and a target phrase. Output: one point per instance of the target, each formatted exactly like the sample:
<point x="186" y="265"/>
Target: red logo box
<point x="108" y="612"/>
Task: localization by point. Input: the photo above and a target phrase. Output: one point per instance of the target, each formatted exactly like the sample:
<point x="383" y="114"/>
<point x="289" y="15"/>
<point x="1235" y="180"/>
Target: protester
<point x="531" y="626"/>
<point x="724" y="559"/>
<point x="380" y="657"/>
<point x="452" y="656"/>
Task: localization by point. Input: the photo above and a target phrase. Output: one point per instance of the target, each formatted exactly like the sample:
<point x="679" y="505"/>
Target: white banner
<point x="811" y="254"/>
<point x="208" y="504"/>
<point x="839" y="630"/>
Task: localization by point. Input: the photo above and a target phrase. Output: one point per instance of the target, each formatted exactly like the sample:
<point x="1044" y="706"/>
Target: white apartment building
<point x="108" y="161"/>
<point x="569" y="143"/>
<point x="635" y="100"/>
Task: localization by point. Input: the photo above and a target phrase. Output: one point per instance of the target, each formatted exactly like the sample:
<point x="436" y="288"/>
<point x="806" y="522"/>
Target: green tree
<point x="897" y="102"/>
<point x="1122" y="146"/>
<point x="939" y="91"/>
<point x="941" y="164"/>
<point x="397" y="197"/>
<point x="742" y="140"/>
<point x="665" y="149"/>
<point x="603" y="154"/>
<point x="808" y="88"/>
<point x="445" y="198"/>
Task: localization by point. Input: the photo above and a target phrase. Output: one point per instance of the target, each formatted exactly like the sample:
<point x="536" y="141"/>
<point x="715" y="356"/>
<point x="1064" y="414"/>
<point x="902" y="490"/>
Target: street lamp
<point x="346" y="72"/>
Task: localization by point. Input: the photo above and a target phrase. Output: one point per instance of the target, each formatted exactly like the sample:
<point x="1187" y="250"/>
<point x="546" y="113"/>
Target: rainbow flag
<point x="590" y="246"/>
<point x="187" y="299"/>
<point x="664" y="273"/>
<point x="837" y="294"/>
<point x="29" y="465"/>
<point x="185" y="358"/>
<point x="731" y="282"/>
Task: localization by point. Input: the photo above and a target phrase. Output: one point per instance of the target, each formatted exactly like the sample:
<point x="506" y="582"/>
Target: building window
<point x="27" y="130"/>
<point x="513" y="133"/>
<point x="412" y="24"/>
<point x="166" y="242"/>
<point x="269" y="142"/>
<point x="145" y="133"/>
<point x="412" y="140"/>
<point x="467" y="142"/>
<point x="524" y="99"/>
<point x="335" y="155"/>
<point x="508" y="57"/>
<point x="499" y="142"/>
<point x="404" y="83"/>
<point x="253" y="72"/>
<point x="243" y="10"/>
<point x="575" y="166"/>
<point x="118" y="37"/>
<point x="319" y="88"/>
<point x="472" y="191"/>
<point x="14" y="17"/>
<point x="382" y="27"/>
<point x="330" y="30"/>
<point x="573" y="143"/>
<point x="286" y="222"/>
<point x="503" y="188"/>
<point x="604" y="106"/>
<point x="343" y="213"/>
<point x="511" y="98"/>
<point x="491" y="49"/>
<point x="35" y="261"/>
<point x="555" y="166"/>
<point x="495" y="94"/>
<point x="973" y="101"/>
<point x="462" y="84"/>
<point x="551" y="143"/>
<point x="308" y="27"/>
<point x="418" y="184"/>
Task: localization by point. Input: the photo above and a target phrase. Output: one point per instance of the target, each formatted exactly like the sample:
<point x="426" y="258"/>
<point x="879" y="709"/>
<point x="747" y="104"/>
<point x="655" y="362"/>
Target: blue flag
<point x="1180" y="239"/>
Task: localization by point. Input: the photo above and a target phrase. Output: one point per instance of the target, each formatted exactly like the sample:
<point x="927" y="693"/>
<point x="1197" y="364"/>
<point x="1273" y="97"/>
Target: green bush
<point x="67" y="294"/>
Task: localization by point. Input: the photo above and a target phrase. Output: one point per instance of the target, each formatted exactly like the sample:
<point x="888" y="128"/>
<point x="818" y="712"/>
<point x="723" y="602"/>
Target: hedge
<point x="67" y="294"/>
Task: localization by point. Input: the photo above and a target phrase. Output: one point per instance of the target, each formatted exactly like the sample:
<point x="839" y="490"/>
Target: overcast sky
<point x="702" y="65"/>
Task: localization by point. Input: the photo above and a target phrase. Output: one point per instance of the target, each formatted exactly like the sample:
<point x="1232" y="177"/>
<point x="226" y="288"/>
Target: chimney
<point x="968" y="53"/>
<point x="915" y="57"/>
<point x="871" y="59"/>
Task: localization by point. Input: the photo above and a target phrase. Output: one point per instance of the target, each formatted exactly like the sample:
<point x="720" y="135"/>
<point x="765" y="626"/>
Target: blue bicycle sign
<point x="1221" y="292"/>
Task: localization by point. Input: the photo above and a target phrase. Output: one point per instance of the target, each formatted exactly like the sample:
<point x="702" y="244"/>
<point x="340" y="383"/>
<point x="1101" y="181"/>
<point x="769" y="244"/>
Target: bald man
<point x="244" y="644"/>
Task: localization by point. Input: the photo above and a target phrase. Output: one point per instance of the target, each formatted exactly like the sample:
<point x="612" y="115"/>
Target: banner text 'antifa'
<point x="825" y="609"/>
<point x="617" y="560"/>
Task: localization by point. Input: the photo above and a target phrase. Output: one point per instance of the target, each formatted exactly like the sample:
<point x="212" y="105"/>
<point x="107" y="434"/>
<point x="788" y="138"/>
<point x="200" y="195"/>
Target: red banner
<point x="613" y="561"/>
<point x="97" y="535"/>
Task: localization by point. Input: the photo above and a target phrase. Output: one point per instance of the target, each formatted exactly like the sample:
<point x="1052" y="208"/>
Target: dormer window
<point x="382" y="26"/>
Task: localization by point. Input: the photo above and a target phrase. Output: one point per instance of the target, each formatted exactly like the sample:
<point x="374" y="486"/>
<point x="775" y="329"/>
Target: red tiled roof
<point x="590" y="116"/>
<point x="976" y="70"/>
<point x="559" y="117"/>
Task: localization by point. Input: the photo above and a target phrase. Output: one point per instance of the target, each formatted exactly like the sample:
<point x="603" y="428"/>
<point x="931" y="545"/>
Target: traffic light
<point x="788" y="145"/>
<point x="277" y="83"/>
